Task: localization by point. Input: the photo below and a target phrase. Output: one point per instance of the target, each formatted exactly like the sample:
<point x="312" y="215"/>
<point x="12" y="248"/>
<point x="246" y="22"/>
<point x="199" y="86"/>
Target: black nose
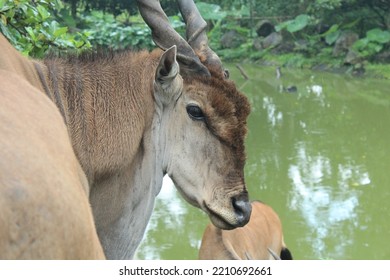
<point x="242" y="208"/>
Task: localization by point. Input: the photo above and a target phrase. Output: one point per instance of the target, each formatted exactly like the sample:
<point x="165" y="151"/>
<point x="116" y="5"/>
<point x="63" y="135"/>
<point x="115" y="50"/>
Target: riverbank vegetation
<point x="344" y="35"/>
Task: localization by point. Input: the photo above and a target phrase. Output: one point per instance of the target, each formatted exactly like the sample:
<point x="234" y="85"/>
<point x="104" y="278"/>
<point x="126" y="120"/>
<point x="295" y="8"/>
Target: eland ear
<point x="168" y="68"/>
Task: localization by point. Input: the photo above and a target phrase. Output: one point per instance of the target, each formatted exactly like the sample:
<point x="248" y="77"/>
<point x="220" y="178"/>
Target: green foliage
<point x="368" y="19"/>
<point x="373" y="43"/>
<point x="294" y="25"/>
<point x="31" y="28"/>
<point x="332" y="34"/>
<point x="114" y="7"/>
<point x="105" y="30"/>
<point x="313" y="27"/>
<point x="244" y="51"/>
<point x="378" y="35"/>
<point x="117" y="7"/>
<point x="322" y="7"/>
<point x="221" y="21"/>
<point x="211" y="12"/>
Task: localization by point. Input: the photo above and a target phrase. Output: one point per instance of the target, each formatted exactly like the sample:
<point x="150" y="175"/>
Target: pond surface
<point x="320" y="156"/>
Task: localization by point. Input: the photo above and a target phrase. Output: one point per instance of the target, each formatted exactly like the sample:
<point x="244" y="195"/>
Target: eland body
<point x="260" y="239"/>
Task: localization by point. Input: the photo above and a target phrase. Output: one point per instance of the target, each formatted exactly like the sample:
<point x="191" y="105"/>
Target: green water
<point x="319" y="156"/>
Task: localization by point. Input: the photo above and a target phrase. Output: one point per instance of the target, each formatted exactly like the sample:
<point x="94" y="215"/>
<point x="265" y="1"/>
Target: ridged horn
<point x="194" y="55"/>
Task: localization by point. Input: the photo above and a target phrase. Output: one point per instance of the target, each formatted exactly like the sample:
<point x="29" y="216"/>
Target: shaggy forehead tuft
<point x="226" y="110"/>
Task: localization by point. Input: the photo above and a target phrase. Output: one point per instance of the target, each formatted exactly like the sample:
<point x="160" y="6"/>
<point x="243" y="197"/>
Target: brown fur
<point x="253" y="241"/>
<point x="44" y="209"/>
<point x="11" y="60"/>
<point x="226" y="111"/>
<point x="103" y="104"/>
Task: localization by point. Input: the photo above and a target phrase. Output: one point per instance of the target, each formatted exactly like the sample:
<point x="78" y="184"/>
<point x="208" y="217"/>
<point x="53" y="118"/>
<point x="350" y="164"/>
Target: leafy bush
<point x="373" y="43"/>
<point x="221" y="21"/>
<point x="122" y="31"/>
<point x="31" y="28"/>
<point x="106" y="31"/>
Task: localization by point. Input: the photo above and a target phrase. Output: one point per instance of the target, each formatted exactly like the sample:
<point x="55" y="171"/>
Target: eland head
<point x="203" y="119"/>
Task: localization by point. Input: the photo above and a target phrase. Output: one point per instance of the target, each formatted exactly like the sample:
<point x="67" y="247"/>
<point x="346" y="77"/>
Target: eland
<point x="260" y="239"/>
<point x="86" y="141"/>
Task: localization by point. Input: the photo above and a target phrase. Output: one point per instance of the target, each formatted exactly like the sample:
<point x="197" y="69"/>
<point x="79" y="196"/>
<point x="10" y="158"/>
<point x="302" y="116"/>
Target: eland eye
<point x="195" y="112"/>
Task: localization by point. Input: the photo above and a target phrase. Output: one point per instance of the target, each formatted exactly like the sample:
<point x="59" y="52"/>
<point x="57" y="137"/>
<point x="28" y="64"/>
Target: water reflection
<point x="330" y="211"/>
<point x="318" y="138"/>
<point x="274" y="116"/>
<point x="169" y="210"/>
<point x="316" y="89"/>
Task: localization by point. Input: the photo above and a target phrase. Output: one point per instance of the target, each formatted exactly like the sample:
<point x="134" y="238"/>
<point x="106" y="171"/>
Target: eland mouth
<point x="235" y="216"/>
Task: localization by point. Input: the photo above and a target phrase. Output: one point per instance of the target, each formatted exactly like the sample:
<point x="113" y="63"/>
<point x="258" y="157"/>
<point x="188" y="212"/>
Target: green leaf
<point x="298" y="23"/>
<point x="330" y="38"/>
<point x="6" y="32"/>
<point x="378" y="48"/>
<point x="378" y="35"/>
<point x="43" y="12"/>
<point x="3" y="19"/>
<point x="282" y="25"/>
<point x="332" y="29"/>
<point x="351" y="24"/>
<point x="360" y="44"/>
<point x="60" y="31"/>
<point x="245" y="11"/>
<point x="4" y="7"/>
<point x="30" y="32"/>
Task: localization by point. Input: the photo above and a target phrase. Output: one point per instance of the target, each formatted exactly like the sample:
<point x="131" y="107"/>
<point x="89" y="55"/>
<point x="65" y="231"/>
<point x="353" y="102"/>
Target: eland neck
<point x="114" y="123"/>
